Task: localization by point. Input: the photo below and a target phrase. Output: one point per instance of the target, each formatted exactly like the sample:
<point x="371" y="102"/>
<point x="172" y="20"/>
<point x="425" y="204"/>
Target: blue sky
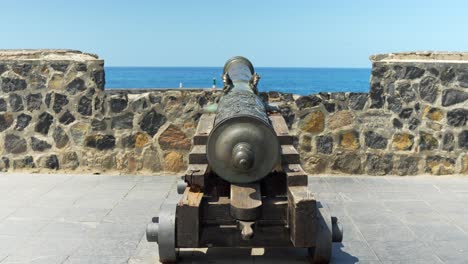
<point x="288" y="33"/>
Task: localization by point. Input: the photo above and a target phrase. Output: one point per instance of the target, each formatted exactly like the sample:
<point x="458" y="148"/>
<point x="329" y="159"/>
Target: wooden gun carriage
<point x="244" y="186"/>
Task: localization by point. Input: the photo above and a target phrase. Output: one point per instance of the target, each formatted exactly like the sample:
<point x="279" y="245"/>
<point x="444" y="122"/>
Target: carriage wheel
<point x="163" y="231"/>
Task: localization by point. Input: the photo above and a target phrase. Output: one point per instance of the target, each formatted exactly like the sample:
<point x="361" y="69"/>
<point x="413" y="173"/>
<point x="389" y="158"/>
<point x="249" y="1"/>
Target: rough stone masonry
<point x="56" y="115"/>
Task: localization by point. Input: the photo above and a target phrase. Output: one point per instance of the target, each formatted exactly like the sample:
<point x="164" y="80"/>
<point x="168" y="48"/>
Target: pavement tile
<point x="404" y="207"/>
<point x="96" y="260"/>
<point x="460" y="186"/>
<point x="422" y="261"/>
<point x="367" y="217"/>
<point x="6" y="211"/>
<point x="101" y="203"/>
<point x="43" y="247"/>
<point x="106" y="247"/>
<point x="379" y="232"/>
<point x="8" y="244"/>
<point x="357" y="196"/>
<point x="34" y="260"/>
<point x="21" y="228"/>
<point x="147" y="195"/>
<point x="128" y="231"/>
<point x="397" y="196"/>
<point x="74" y="230"/>
<point x="450" y="207"/>
<point x="36" y="213"/>
<point x="403" y="251"/>
<point x="432" y="218"/>
<point x="450" y="251"/>
<point x="352" y="252"/>
<point x="445" y="232"/>
<point x="77" y="214"/>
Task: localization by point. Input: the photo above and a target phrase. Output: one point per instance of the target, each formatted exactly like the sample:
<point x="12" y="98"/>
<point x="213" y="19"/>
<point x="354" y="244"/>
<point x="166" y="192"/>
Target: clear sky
<point x="306" y="33"/>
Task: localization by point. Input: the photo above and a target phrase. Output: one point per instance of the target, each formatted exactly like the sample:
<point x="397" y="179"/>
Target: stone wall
<point x="56" y="115"/>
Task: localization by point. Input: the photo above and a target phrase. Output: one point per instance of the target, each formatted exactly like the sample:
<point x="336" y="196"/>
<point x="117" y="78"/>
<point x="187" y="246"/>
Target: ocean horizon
<point x="297" y="80"/>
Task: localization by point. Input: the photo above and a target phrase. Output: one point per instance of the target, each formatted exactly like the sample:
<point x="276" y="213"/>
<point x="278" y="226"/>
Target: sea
<point x="302" y="81"/>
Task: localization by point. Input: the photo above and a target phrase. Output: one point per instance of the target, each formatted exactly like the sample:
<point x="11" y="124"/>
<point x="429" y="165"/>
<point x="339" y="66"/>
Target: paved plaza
<point x="102" y="219"/>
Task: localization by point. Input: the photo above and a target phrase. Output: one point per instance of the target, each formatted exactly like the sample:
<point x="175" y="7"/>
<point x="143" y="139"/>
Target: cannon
<point x="244" y="186"/>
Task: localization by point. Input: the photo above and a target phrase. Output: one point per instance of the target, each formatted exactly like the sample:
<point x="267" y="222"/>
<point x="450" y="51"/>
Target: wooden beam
<point x="195" y="175"/>
<point x="217" y="210"/>
<point x="302" y="216"/>
<point x="246" y="201"/>
<point x="197" y="155"/>
<point x="188" y="219"/>
<point x="205" y="125"/>
<point x="281" y="129"/>
<point x="230" y="236"/>
<point x="295" y="175"/>
<point x="289" y="155"/>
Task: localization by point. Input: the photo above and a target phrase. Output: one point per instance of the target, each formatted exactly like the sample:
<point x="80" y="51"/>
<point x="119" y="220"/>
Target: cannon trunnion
<point x="244" y="186"/>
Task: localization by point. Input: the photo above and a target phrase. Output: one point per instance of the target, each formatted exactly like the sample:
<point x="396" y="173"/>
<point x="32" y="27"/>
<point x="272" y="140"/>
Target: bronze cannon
<point x="244" y="186"/>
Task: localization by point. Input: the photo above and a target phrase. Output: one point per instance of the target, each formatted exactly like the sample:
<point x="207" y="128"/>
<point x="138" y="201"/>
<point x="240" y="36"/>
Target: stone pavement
<point x="101" y="219"/>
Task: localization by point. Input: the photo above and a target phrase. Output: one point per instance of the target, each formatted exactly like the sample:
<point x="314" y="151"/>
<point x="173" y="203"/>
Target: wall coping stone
<point x="46" y="55"/>
<point x="149" y="90"/>
<point x="422" y="56"/>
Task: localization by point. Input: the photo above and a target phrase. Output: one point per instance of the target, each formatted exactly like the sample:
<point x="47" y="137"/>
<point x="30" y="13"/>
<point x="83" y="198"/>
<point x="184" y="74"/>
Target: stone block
<point x="375" y="141"/>
<point x="173" y="138"/>
<point x="76" y="85"/>
<point x="349" y="140"/>
<point x="457" y="117"/>
<point x="340" y="119"/>
<point x="15" y="144"/>
<point x="452" y="97"/>
<point x="6" y="120"/>
<point x="402" y="141"/>
<point x="379" y="164"/>
<point x="427" y="141"/>
<point x="124" y="121"/>
<point x="463" y="139"/>
<point x="464" y="165"/>
<point x="313" y="122"/>
<point x="406" y="165"/>
<point x="434" y="114"/>
<point x="173" y="161"/>
<point x="347" y="163"/>
<point x="440" y="165"/>
<point x="151" y="122"/>
<point x="34" y="101"/>
<point x="100" y="142"/>
<point x="22" y="121"/>
<point x="16" y="103"/>
<point x="324" y="144"/>
<point x="39" y="145"/>
<point x="60" y="137"/>
<point x="308" y="101"/>
<point x="429" y="89"/>
<point x="43" y="123"/>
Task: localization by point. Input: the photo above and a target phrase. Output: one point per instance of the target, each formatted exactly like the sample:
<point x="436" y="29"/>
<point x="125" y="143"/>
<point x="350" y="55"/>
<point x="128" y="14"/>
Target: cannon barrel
<point x="242" y="147"/>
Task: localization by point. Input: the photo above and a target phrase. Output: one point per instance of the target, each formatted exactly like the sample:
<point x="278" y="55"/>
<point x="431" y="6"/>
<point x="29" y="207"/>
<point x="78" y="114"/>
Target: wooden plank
<point x="246" y="201"/>
<point x="229" y="236"/>
<point x="289" y="155"/>
<point x="295" y="175"/>
<point x="197" y="155"/>
<point x="217" y="210"/>
<point x="205" y="125"/>
<point x="281" y="129"/>
<point x="195" y="175"/>
<point x="302" y="216"/>
<point x="188" y="219"/>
